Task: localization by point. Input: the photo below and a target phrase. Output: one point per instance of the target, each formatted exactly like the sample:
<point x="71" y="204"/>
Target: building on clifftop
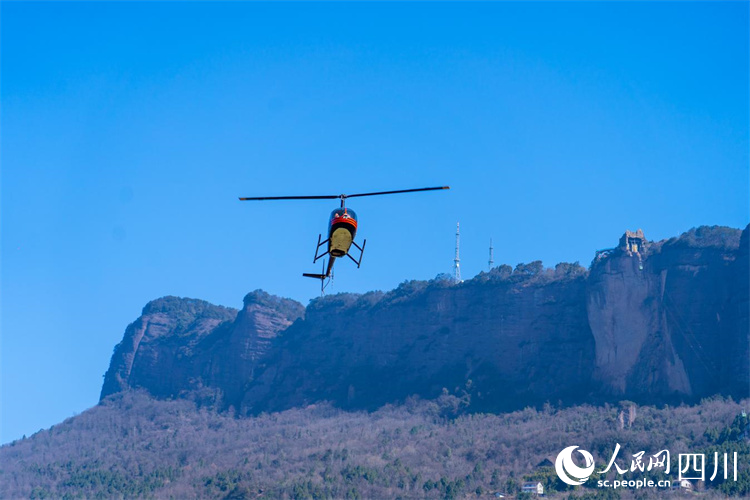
<point x="633" y="242"/>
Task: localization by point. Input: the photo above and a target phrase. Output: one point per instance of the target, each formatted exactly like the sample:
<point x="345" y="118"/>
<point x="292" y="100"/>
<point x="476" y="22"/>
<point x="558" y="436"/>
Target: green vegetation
<point x="726" y="238"/>
<point x="133" y="446"/>
<point x="184" y="312"/>
<point x="734" y="438"/>
<point x="288" y="308"/>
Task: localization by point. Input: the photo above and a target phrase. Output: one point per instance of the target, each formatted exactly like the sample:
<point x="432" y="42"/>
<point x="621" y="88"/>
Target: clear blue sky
<point x="128" y="130"/>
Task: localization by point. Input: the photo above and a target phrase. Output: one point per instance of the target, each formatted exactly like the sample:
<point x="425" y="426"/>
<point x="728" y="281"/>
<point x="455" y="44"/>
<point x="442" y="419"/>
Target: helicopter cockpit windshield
<point x="346" y="213"/>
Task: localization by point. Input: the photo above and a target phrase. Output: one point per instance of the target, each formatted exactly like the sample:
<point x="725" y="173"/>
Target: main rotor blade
<point x="396" y="192"/>
<point x="260" y="198"/>
<point x="340" y="196"/>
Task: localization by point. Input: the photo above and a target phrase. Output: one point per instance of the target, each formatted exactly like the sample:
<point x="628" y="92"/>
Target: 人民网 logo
<point x="568" y="471"/>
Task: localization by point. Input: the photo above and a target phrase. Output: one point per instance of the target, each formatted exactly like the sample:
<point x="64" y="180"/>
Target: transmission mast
<point x="457" y="260"/>
<point x="491" y="262"/>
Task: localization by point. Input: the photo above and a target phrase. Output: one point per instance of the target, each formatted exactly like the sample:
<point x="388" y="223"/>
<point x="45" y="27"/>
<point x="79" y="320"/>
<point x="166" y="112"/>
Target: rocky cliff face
<point x="503" y="342"/>
<point x="664" y="319"/>
<point x="153" y="352"/>
<point x="650" y="321"/>
<point x="182" y="346"/>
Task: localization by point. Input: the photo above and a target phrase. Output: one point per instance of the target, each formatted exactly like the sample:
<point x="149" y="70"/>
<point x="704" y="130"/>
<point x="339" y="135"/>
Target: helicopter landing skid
<point x="361" y="252"/>
<point x="317" y="249"/>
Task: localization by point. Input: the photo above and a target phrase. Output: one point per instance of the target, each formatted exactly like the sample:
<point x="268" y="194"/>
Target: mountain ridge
<point x="647" y="321"/>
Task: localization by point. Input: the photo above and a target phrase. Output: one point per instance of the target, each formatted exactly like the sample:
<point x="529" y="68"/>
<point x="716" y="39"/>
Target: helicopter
<point x="342" y="228"/>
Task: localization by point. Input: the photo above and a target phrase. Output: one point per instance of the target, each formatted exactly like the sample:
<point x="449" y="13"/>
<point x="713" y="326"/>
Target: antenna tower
<point x="491" y="262"/>
<point x="457" y="260"/>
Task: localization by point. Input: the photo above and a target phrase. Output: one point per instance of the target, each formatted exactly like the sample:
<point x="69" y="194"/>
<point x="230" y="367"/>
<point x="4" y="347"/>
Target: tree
<point x="530" y="269"/>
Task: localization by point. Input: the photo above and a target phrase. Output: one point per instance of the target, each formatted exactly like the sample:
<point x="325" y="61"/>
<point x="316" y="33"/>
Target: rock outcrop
<point x="664" y="319"/>
<point x="659" y="321"/>
<point x="504" y="343"/>
<point x="181" y="346"/>
<point x="153" y="352"/>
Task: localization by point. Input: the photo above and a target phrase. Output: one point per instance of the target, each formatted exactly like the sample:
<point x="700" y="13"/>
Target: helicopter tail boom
<point x="325" y="273"/>
<point x="322" y="277"/>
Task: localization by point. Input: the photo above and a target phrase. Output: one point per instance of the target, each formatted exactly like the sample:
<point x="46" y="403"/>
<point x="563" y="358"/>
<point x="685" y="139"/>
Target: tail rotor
<point x="322" y="277"/>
